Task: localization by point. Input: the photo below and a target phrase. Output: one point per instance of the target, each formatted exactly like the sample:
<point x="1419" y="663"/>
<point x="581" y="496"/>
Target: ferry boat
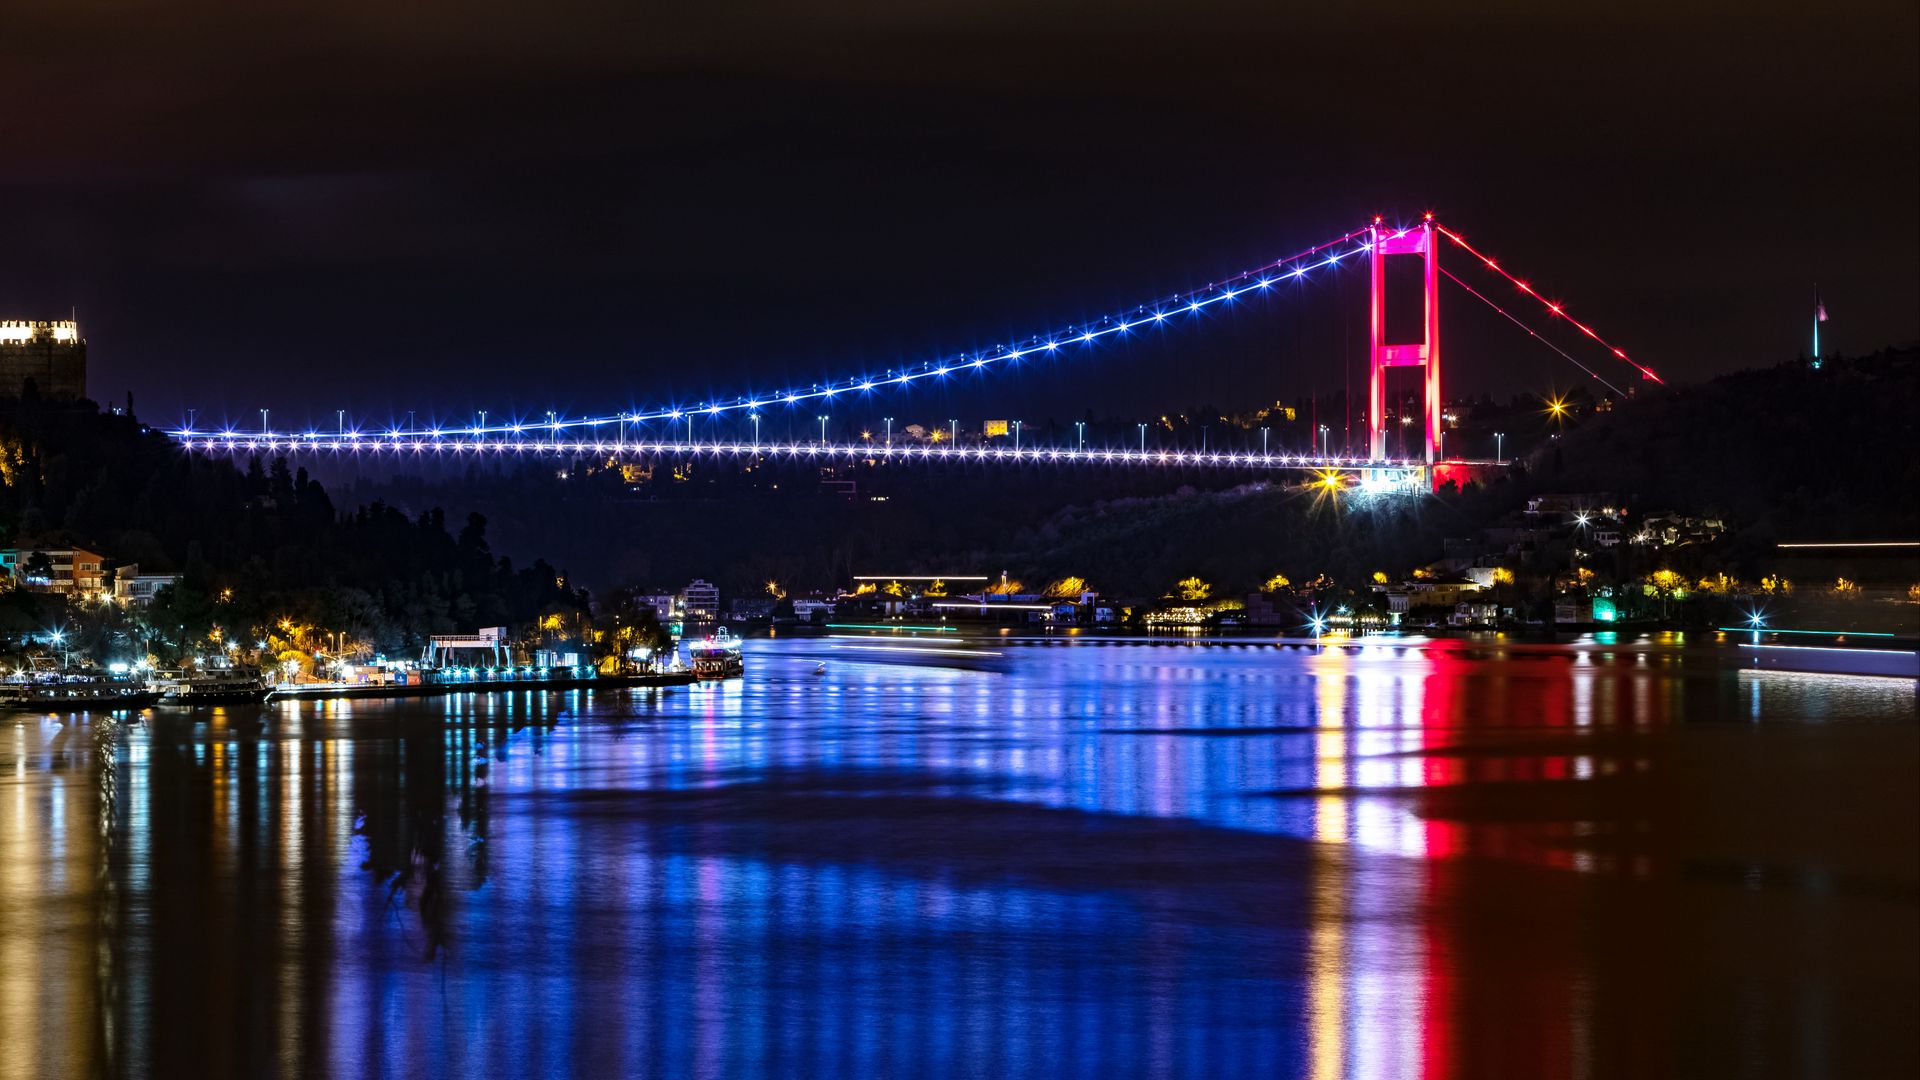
<point x="717" y="657"/>
<point x="73" y="691"/>
<point x="219" y="685"/>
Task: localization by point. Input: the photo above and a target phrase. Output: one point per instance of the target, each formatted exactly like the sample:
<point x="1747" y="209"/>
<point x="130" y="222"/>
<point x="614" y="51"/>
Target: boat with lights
<point x="219" y="684"/>
<point x="71" y="691"/>
<point x="717" y="657"/>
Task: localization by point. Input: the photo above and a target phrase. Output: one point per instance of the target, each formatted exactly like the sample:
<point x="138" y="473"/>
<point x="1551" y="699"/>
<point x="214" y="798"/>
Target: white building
<point x="700" y="601"/>
<point x="131" y="588"/>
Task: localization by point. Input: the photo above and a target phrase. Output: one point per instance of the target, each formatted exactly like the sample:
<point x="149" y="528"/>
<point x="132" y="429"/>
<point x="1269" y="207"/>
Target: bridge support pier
<point x="1383" y="355"/>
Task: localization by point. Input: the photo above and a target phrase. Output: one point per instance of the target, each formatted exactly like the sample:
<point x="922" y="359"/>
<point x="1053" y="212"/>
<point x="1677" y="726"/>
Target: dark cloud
<point x="532" y="205"/>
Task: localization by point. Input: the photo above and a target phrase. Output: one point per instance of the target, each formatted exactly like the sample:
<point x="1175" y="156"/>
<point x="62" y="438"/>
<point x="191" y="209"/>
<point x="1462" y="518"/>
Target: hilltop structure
<point x="52" y="355"/>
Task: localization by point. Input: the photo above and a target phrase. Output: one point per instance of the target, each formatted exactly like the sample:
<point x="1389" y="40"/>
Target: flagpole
<point x="1816" y="326"/>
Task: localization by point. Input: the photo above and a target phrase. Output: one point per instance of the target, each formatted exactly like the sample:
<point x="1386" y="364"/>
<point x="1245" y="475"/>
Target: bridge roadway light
<point x="1016" y="436"/>
<point x="1499" y="449"/>
<point x="1143" y="437"/>
<point x="889" y="421"/>
<point x="823" y="429"/>
<point x="1080" y="426"/>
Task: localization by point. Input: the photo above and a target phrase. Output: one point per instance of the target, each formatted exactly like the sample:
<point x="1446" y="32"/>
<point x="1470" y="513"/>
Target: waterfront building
<point x="131" y="588"/>
<point x="700" y="601"/>
<point x="51" y="355"/>
<point x="663" y="605"/>
<point x="72" y="572"/>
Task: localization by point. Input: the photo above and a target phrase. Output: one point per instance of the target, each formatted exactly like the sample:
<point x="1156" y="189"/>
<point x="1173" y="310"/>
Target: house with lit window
<point x="75" y="573"/>
<point x="700" y="601"/>
<point x="131" y="588"/>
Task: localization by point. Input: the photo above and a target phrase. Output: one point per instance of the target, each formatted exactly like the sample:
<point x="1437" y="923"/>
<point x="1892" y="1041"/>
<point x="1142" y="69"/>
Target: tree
<point x="1275" y="583"/>
<point x="1066" y="588"/>
<point x="1193" y="589"/>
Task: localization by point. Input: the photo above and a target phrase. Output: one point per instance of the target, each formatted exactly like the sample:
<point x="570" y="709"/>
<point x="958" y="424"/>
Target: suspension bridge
<point x="667" y="431"/>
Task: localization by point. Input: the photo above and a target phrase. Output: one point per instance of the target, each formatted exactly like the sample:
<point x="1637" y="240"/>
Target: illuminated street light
<point x="1499" y="449"/>
<point x="1143" y="438"/>
<point x="823" y="429"/>
<point x="889" y="421"/>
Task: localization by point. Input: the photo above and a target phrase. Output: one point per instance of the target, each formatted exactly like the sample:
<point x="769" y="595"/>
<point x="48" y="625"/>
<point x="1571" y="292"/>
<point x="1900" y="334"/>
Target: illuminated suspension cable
<point x="1191" y="302"/>
<point x="1475" y="293"/>
<point x="1555" y="309"/>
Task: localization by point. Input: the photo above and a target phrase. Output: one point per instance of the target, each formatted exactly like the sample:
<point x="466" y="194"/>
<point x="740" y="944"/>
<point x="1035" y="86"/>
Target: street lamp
<point x="1080" y="427"/>
<point x="1016" y="436"/>
<point x="264" y="429"/>
<point x="823" y="429"/>
<point x="1263" y="442"/>
<point x="1143" y="437"/>
<point x="1323" y="440"/>
<point x="889" y="421"/>
<point x="1499" y="448"/>
<point x="755" y="417"/>
<point x="953" y="432"/>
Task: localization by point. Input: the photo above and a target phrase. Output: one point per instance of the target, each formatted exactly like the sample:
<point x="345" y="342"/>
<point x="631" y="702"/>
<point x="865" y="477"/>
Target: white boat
<point x="219" y="685"/>
<point x="717" y="657"/>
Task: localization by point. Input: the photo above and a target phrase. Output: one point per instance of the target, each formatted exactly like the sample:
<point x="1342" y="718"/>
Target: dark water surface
<point x="1099" y="860"/>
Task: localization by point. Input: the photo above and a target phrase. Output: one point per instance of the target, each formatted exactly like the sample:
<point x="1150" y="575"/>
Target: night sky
<point x="581" y="205"/>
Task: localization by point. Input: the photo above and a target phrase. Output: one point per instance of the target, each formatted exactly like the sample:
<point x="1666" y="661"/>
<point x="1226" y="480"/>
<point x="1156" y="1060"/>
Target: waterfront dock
<point x="339" y="691"/>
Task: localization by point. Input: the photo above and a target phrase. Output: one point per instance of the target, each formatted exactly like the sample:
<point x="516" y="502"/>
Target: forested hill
<point x="268" y="540"/>
<point x="1783" y="452"/>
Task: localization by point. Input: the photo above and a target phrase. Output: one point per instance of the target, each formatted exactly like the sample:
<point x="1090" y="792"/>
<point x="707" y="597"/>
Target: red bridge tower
<point x="1421" y="241"/>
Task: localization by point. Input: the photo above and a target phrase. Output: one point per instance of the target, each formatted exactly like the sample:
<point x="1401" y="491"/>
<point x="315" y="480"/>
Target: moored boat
<point x="717" y="657"/>
<point x="216" y="686"/>
<point x="72" y="692"/>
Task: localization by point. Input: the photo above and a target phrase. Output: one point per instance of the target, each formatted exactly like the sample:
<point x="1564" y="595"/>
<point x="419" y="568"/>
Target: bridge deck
<point x="921" y="452"/>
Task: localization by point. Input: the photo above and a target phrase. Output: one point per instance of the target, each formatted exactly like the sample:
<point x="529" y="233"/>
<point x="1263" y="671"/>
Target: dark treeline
<point x="258" y="546"/>
<point x="1779" y="453"/>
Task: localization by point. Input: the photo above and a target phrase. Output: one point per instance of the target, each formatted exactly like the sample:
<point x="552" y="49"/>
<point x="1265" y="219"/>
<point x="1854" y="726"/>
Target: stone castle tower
<point x="52" y="354"/>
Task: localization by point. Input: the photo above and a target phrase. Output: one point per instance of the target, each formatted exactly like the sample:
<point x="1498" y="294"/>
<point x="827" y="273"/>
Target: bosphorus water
<point x="1072" y="859"/>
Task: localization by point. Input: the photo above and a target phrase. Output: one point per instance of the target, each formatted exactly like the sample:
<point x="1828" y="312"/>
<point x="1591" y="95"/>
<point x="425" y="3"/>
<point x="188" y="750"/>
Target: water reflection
<point x="1102" y="860"/>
